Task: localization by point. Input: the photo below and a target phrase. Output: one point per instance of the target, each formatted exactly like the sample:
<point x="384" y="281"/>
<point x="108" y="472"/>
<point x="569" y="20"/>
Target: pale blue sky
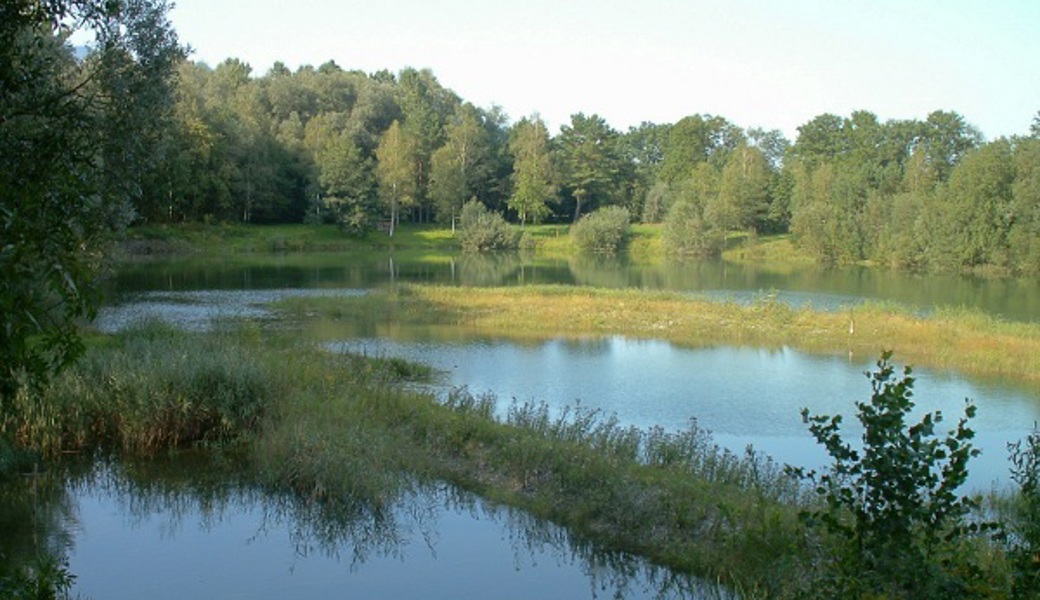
<point x="757" y="63"/>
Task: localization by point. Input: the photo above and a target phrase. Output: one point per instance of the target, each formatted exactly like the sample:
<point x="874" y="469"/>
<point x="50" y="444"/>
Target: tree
<point x="461" y="166"/>
<point x="604" y="231"/>
<point x="533" y="177"/>
<point x="947" y="137"/>
<point x="76" y="139"/>
<point x="743" y="199"/>
<point x="347" y="183"/>
<point x="481" y="230"/>
<point x="396" y="171"/>
<point x="425" y="105"/>
<point x="1024" y="235"/>
<point x="977" y="210"/>
<point x="687" y="229"/>
<point x="589" y="161"/>
<point x="696" y="139"/>
<point x="820" y="140"/>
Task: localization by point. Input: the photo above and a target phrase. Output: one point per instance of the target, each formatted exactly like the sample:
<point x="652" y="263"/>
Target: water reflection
<point x="1017" y="299"/>
<point x="195" y="526"/>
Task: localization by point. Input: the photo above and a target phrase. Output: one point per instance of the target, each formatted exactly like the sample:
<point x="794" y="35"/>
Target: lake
<point x="185" y="528"/>
<point x="745" y="396"/>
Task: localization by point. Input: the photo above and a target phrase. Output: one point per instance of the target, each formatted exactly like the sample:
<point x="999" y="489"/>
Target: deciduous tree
<point x="397" y="171"/>
<point x="77" y="138"/>
<point x="533" y="177"/>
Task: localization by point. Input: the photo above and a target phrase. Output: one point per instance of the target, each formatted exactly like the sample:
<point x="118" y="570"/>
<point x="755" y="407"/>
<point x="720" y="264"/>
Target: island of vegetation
<point x="131" y="142"/>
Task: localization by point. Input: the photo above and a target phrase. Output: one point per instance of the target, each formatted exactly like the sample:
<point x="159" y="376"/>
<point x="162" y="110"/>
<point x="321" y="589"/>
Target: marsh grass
<point x="149" y="389"/>
<point x="957" y="339"/>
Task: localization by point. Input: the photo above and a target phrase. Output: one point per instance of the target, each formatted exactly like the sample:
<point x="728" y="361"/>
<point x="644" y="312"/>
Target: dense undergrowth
<point x="334" y="428"/>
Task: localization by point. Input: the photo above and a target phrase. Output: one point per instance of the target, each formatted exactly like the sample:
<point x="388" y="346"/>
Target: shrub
<point x="1024" y="553"/>
<point x="481" y="230"/>
<point x="898" y="528"/>
<point x="603" y="232"/>
<point x="687" y="234"/>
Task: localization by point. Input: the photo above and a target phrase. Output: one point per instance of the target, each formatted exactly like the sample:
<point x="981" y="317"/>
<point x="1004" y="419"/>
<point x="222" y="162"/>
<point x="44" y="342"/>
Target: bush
<point x="481" y="230"/>
<point x="1024" y="553"/>
<point x="893" y="523"/>
<point x="687" y="234"/>
<point x="603" y="232"/>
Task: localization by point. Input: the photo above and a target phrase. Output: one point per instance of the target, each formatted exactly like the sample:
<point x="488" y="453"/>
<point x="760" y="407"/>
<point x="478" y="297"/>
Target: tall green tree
<point x="460" y="168"/>
<point x="947" y="137"/>
<point x="347" y="183"/>
<point x="696" y="139"/>
<point x="641" y="150"/>
<point x="533" y="179"/>
<point x="1024" y="235"/>
<point x="71" y="162"/>
<point x="397" y="171"/>
<point x="977" y="210"/>
<point x="589" y="161"/>
<point x="688" y="228"/>
<point x="425" y="105"/>
<point x="743" y="199"/>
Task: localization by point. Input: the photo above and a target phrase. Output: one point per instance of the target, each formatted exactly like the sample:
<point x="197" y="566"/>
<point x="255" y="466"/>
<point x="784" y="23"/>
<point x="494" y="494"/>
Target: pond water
<point x="162" y="531"/>
<point x="441" y="546"/>
<point x="744" y="396"/>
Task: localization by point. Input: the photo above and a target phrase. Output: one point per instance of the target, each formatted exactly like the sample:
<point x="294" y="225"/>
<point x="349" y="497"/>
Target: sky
<point x="758" y="63"/>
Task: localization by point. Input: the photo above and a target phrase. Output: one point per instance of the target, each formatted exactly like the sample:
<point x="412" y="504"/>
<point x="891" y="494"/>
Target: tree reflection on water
<point x="193" y="494"/>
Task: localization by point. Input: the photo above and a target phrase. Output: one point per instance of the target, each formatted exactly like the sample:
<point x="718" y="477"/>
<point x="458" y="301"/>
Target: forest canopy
<point x="364" y="149"/>
<point x="370" y="150"/>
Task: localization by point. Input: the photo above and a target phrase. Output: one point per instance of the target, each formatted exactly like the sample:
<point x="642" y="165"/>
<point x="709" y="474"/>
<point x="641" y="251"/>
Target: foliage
<point x="687" y="233"/>
<point x="156" y="388"/>
<point x="78" y="140"/>
<point x="348" y="185"/>
<point x="590" y="164"/>
<point x="1024" y="553"/>
<point x="604" y="231"/>
<point x="898" y="527"/>
<point x="533" y="175"/>
<point x="48" y="579"/>
<point x="262" y="148"/>
<point x="395" y="168"/>
<point x="481" y="230"/>
<point x="462" y="168"/>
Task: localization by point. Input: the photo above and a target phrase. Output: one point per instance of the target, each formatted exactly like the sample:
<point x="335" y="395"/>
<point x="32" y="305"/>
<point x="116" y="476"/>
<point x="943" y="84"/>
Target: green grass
<point x="225" y="238"/>
<point x="546" y="241"/>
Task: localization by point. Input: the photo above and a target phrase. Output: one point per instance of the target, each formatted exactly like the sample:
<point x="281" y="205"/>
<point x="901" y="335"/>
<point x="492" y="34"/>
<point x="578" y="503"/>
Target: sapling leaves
<point x="891" y="507"/>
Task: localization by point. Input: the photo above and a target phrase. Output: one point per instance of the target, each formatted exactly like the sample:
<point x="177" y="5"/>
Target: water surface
<point x="161" y="530"/>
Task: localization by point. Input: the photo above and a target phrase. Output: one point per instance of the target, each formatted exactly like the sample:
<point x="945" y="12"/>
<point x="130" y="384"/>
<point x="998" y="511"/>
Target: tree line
<point x="327" y="144"/>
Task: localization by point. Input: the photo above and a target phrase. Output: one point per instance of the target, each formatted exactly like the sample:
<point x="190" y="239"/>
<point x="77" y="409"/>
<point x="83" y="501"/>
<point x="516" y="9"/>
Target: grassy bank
<point x="965" y="341"/>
